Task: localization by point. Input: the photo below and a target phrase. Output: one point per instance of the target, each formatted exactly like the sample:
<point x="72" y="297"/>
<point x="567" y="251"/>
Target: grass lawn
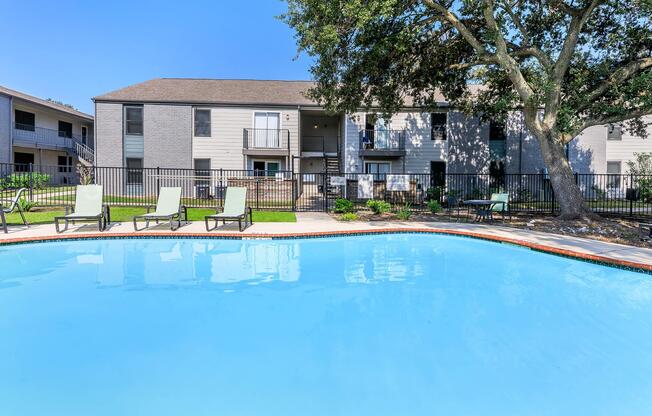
<point x="125" y="214"/>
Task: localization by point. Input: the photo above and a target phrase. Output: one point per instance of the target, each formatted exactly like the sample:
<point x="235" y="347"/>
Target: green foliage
<point x="386" y="51"/>
<point x="404" y="212"/>
<point x="641" y="168"/>
<point x="349" y="216"/>
<point x="22" y="180"/>
<point x="26" y="205"/>
<point x="343" y="206"/>
<point x="378" y="206"/>
<point x="434" y="193"/>
<point x="434" y="206"/>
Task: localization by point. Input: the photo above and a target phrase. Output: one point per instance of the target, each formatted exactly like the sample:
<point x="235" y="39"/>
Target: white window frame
<point x="124" y="115"/>
<point x="619" y="138"/>
<point x="377" y="175"/>
<point x="267" y="162"/>
<point x="210" y="120"/>
<point x="616" y="176"/>
<point x="445" y="113"/>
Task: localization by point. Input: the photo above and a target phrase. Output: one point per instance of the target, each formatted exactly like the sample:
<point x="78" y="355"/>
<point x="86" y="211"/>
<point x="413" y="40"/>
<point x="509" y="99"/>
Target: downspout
<point x="520" y="146"/>
<point x="11" y="130"/>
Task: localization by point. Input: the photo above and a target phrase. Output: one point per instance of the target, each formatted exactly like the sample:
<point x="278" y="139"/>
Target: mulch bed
<point x="614" y="230"/>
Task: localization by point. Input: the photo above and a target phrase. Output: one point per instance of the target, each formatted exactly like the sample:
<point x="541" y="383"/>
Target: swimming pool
<point x="392" y="324"/>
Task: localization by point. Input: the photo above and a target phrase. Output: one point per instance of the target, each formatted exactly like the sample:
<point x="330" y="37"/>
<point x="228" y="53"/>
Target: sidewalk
<point x="320" y="224"/>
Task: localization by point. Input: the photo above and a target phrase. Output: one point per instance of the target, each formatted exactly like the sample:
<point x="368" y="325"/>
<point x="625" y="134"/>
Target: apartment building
<point x="272" y="126"/>
<point x="41" y="132"/>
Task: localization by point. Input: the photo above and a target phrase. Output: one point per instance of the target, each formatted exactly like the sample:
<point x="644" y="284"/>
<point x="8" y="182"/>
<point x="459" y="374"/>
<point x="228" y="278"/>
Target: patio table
<point x="482" y="208"/>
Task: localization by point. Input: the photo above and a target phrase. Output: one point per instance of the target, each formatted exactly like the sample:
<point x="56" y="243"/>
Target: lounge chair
<point x="13" y="204"/>
<point x="235" y="209"/>
<point x="503" y="209"/>
<point x="168" y="207"/>
<point x="88" y="207"/>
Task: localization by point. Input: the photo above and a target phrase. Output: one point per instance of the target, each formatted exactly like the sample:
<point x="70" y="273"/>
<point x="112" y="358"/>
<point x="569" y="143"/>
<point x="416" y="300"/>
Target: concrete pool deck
<point x="320" y="224"/>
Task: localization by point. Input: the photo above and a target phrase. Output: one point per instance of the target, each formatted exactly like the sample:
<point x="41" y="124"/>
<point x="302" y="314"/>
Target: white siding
<point x="224" y="147"/>
<point x="623" y="150"/>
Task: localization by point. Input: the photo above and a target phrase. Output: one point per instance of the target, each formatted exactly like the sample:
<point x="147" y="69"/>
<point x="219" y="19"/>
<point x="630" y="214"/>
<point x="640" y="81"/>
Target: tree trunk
<point x="567" y="192"/>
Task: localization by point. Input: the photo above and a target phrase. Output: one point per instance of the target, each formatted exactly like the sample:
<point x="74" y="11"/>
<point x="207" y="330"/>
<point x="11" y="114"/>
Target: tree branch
<point x="611" y="119"/>
<point x="579" y="18"/>
<point x="452" y="19"/>
<point x="507" y="62"/>
<point x="619" y="76"/>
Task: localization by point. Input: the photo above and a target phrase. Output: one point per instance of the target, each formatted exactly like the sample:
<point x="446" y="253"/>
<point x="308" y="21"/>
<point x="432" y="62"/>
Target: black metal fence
<point x="607" y="194"/>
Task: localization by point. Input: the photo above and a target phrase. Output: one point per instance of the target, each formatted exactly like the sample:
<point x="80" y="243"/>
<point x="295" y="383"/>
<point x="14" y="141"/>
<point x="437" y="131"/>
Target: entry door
<point x="438" y="173"/>
<point x="84" y="134"/>
<point x="266" y="130"/>
<point x="382" y="133"/>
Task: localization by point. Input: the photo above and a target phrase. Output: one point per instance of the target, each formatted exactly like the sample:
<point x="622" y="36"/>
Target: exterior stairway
<point x="332" y="165"/>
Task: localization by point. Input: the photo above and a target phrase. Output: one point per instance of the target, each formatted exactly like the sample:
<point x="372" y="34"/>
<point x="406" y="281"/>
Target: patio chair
<point x="13" y="205"/>
<point x="168" y="207"/>
<point x="88" y="207"/>
<point x="503" y="209"/>
<point x="235" y="209"/>
<point x="452" y="203"/>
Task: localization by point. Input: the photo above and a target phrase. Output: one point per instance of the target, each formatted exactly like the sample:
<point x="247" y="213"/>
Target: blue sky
<point x="74" y="50"/>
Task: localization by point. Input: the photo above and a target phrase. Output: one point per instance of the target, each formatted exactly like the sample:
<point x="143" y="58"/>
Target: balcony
<point x="42" y="138"/>
<point x="266" y="142"/>
<point x="382" y="143"/>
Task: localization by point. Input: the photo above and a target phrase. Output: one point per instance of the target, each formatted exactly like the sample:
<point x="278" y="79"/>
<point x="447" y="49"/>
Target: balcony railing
<point x="39" y="136"/>
<point x="270" y="139"/>
<point x="379" y="141"/>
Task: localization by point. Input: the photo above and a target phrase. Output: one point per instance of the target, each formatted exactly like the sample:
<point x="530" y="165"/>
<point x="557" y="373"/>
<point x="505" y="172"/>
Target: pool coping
<point x="577" y="255"/>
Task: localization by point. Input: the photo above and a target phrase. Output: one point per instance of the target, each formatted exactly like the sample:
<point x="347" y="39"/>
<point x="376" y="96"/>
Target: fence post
<point x="631" y="199"/>
<point x="158" y="181"/>
<point x="31" y="181"/>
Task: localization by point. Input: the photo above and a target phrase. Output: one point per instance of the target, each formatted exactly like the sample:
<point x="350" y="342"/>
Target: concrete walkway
<point x="320" y="223"/>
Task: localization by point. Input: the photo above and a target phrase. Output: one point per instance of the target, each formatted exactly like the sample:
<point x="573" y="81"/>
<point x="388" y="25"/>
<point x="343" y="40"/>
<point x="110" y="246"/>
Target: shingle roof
<point x="220" y="91"/>
<point x="213" y="91"/>
<point x="42" y="102"/>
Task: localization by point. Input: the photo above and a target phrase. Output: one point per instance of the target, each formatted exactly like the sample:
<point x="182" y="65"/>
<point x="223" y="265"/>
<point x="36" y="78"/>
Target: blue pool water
<point x="405" y="324"/>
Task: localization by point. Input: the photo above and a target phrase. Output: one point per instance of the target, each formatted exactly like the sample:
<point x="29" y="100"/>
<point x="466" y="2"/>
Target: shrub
<point x="434" y="193"/>
<point x="343" y="206"/>
<point x="434" y="206"/>
<point x="404" y="213"/>
<point x="349" y="216"/>
<point x="641" y="168"/>
<point x="378" y="207"/>
<point x="22" y="180"/>
<point x="26" y="205"/>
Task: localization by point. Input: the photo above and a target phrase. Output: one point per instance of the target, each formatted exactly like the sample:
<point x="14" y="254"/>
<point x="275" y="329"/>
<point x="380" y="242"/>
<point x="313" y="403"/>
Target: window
<point x="22" y="160"/>
<point x="134" y="171"/>
<point x="65" y="129"/>
<point x="202" y="176"/>
<point x="65" y="164"/>
<point x="378" y="169"/>
<point x="496" y="131"/>
<point x="613" y="174"/>
<point x="84" y="134"/>
<point x="267" y="130"/>
<point x="25" y="120"/>
<point x="614" y="132"/>
<point x="438" y="126"/>
<point x="269" y="167"/>
<point x="202" y="123"/>
<point x="134" y="121"/>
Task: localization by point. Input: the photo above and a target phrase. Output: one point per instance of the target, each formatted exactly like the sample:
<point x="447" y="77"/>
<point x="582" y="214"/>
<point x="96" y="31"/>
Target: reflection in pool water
<point x="368" y="325"/>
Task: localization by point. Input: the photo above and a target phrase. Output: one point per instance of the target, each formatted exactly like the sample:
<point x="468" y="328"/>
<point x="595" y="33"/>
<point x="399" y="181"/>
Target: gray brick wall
<point x="108" y="131"/>
<point x="5" y="129"/>
<point x="168" y="141"/>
